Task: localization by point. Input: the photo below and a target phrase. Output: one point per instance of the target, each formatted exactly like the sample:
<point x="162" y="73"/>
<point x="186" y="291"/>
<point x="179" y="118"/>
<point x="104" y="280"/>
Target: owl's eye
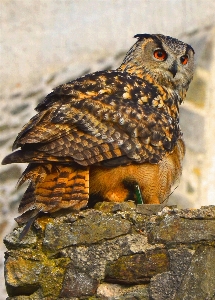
<point x="184" y="59"/>
<point x="160" y="54"/>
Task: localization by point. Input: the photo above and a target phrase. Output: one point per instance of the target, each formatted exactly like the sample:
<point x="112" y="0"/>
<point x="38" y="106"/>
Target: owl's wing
<point x="106" y="117"/>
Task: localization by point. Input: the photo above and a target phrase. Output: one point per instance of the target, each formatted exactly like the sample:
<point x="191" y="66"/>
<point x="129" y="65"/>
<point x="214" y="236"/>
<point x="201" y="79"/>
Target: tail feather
<point x="55" y="186"/>
<point x="21" y="156"/>
<point x="28" y="201"/>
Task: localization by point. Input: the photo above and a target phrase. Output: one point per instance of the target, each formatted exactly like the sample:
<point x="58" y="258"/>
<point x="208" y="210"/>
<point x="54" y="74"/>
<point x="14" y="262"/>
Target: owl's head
<point x="169" y="61"/>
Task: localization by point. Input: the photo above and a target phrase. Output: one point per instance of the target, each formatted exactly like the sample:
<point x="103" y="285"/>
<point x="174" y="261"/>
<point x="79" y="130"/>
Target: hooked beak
<point x="174" y="69"/>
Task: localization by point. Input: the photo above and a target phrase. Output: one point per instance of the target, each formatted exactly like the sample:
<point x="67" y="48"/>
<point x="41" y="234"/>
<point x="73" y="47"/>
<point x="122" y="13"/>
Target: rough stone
<point x="22" y="276"/>
<point x="114" y="207"/>
<point x="29" y="270"/>
<point x="92" y="259"/>
<point x="174" y="230"/>
<point x="137" y="268"/>
<point x="102" y="226"/>
<point x="149" y="209"/>
<point x="163" y="286"/>
<point x="77" y="283"/>
<point x="205" y="212"/>
<point x="104" y="255"/>
<point x="12" y="240"/>
<point x="35" y="296"/>
<point x="180" y="260"/>
<point x="118" y="292"/>
<point x="200" y="278"/>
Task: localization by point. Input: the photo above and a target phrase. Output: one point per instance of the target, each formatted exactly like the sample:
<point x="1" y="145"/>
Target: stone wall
<point x="44" y="44"/>
<point x="115" y="252"/>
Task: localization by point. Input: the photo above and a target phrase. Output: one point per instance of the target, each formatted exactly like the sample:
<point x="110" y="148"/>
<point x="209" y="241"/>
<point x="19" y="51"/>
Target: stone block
<point x="175" y="230"/>
<point x="199" y="280"/>
<point x="137" y="268"/>
<point x="103" y="255"/>
<point x="92" y="228"/>
<point x="77" y="284"/>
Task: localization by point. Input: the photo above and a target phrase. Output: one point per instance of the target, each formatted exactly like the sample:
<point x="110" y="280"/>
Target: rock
<point x="200" y="277"/>
<point x="29" y="270"/>
<point x="77" y="283"/>
<point x="92" y="228"/>
<point x="114" y="207"/>
<point x="114" y="252"/>
<point x="116" y="292"/>
<point x="149" y="209"/>
<point x="164" y="286"/>
<point x="94" y="258"/>
<point x="12" y="240"/>
<point x="180" y="260"/>
<point x="35" y="296"/>
<point x="137" y="268"/>
<point x="174" y="229"/>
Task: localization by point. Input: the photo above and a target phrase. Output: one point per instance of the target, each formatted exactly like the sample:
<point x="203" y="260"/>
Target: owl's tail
<point x="54" y="186"/>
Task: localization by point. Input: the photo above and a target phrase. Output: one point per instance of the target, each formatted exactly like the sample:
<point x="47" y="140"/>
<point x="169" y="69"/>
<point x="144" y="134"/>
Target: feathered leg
<point x="55" y="186"/>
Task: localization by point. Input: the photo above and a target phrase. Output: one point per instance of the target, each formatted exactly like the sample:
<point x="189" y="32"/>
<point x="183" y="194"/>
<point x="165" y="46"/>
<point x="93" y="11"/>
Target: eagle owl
<point x="105" y="132"/>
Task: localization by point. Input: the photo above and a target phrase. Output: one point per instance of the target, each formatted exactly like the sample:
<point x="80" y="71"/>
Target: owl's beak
<point x="174" y="68"/>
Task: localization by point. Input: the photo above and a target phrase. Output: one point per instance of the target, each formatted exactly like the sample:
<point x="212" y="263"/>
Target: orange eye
<point x="184" y="59"/>
<point x="160" y="54"/>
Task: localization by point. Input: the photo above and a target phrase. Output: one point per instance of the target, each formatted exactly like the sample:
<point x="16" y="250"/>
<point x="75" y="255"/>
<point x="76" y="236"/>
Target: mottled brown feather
<point x="54" y="186"/>
<point x="120" y="126"/>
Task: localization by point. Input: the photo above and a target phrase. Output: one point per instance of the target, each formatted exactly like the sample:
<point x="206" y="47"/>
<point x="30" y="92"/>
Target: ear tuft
<point x="141" y="36"/>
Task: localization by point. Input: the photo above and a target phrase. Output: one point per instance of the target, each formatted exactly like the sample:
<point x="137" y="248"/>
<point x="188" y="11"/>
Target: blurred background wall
<point x="45" y="43"/>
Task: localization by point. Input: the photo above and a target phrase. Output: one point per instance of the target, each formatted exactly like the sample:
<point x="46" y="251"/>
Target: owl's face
<point x="169" y="61"/>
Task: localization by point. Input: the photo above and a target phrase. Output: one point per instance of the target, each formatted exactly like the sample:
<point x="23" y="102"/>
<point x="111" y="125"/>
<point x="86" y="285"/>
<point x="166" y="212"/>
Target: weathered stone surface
<point x="205" y="212"/>
<point x="137" y="268"/>
<point x="29" y="270"/>
<point x="12" y="240"/>
<point x="77" y="284"/>
<point x="180" y="260"/>
<point x="92" y="259"/>
<point x="92" y="228"/>
<point x="113" y="207"/>
<point x="22" y="276"/>
<point x="164" y="286"/>
<point x="174" y="229"/>
<point x="118" y="292"/>
<point x="114" y="253"/>
<point x="199" y="280"/>
<point x="149" y="209"/>
<point x="35" y="296"/>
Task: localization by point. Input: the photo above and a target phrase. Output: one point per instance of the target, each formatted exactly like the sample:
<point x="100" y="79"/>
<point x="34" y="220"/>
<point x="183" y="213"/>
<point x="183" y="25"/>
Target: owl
<point x="107" y="132"/>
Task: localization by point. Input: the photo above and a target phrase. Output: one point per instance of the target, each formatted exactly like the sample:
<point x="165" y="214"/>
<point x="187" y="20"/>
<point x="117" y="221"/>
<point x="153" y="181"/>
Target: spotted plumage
<point x="105" y="132"/>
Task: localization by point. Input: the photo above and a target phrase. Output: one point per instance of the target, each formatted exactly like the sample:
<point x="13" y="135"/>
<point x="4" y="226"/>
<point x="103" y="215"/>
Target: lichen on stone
<point x="114" y="252"/>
